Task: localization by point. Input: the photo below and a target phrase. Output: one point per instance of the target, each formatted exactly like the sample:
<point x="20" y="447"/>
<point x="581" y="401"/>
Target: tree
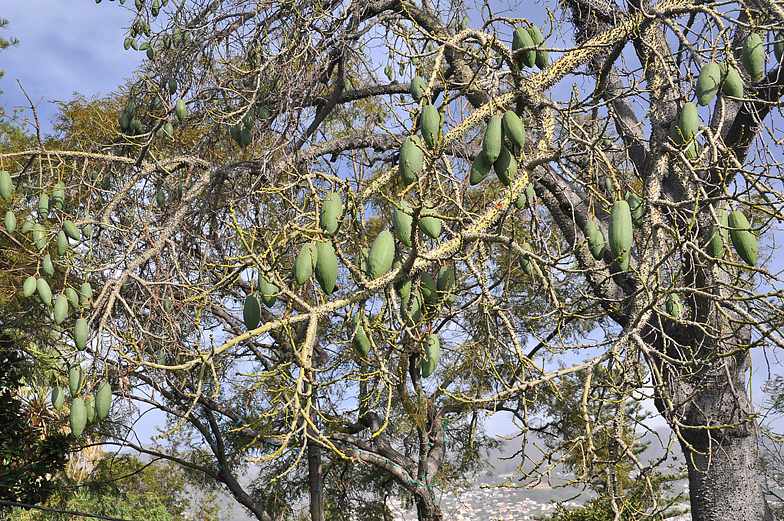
<point x="607" y="461"/>
<point x="5" y="44"/>
<point x="249" y="116"/>
<point x="122" y="486"/>
<point x="32" y="452"/>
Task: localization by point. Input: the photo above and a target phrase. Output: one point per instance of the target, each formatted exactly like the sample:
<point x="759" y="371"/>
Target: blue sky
<point x="65" y="46"/>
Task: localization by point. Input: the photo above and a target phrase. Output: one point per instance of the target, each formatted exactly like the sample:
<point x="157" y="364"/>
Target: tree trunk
<point x="428" y="511"/>
<point x="724" y="483"/>
<point x="315" y="482"/>
<point x="710" y="408"/>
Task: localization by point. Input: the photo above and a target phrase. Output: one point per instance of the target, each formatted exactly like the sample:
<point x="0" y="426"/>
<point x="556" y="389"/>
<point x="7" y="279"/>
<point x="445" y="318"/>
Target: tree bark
<point x="724" y="480"/>
<point x="709" y="408"/>
<point x="315" y="483"/>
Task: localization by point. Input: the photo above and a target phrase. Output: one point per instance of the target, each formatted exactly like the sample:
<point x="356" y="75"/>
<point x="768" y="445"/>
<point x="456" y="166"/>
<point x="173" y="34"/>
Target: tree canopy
<point x="295" y="248"/>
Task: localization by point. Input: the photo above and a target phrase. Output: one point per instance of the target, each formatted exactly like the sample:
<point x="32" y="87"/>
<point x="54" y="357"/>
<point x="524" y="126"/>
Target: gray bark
<point x="702" y="391"/>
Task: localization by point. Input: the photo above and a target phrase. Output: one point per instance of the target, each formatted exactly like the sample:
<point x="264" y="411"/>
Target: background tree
<point x="33" y="450"/>
<point x="124" y="487"/>
<point x="251" y="115"/>
<point x="5" y="44"/>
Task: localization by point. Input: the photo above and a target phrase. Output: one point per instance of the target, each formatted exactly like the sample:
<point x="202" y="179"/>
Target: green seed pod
<point x="733" y="84"/>
<point x="75" y="375"/>
<point x="267" y="291"/>
<point x="29" y="286"/>
<point x="689" y="121"/>
<point x="530" y="194"/>
<point x="479" y="170"/>
<point x="60" y="308"/>
<point x="361" y="259"/>
<point x="753" y="56"/>
<point x="86" y="292"/>
<point x="542" y="56"/>
<point x="73" y="297"/>
<point x="514" y="129"/>
<point x="87" y="230"/>
<point x="326" y="267"/>
<point x="89" y="405"/>
<point x="180" y="110"/>
<point x="413" y="317"/>
<point x="306" y="261"/>
<point x="430" y="124"/>
<point x="446" y="279"/>
<point x="234" y="132"/>
<point x="491" y="145"/>
<point x="418" y="88"/>
<point x="430" y="225"/>
<point x="78" y="417"/>
<point x="360" y="340"/>
<point x="744" y="242"/>
<point x="717" y="235"/>
<point x="403" y="287"/>
<point x="251" y="312"/>
<point x="58" y="398"/>
<point x="411" y="159"/>
<point x="778" y="46"/>
<point x="636" y="206"/>
<point x="708" y="83"/>
<point x="432" y="349"/>
<point x="505" y="167"/>
<point x="43" y="206"/>
<point x="331" y="212"/>
<point x="10" y="221"/>
<point x="249" y="120"/>
<point x="381" y="255"/>
<point x="520" y="40"/>
<point x="596" y="242"/>
<point x="81" y="333"/>
<point x="44" y="292"/>
<point x="6" y="185"/>
<point x="525" y="264"/>
<point x="621" y="234"/>
<point x="428" y="288"/>
<point x="70" y="229"/>
<point x="103" y="400"/>
<point x="402" y="222"/>
<point x="674" y="305"/>
<point x="262" y="113"/>
<point x="62" y="243"/>
<point x="245" y="137"/>
<point x="47" y="266"/>
<point x="39" y="236"/>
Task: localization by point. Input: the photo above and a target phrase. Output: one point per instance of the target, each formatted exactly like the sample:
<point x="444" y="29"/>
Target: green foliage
<point x="635" y="508"/>
<point x="31" y="452"/>
<point x="5" y="44"/>
<point x="123" y="486"/>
